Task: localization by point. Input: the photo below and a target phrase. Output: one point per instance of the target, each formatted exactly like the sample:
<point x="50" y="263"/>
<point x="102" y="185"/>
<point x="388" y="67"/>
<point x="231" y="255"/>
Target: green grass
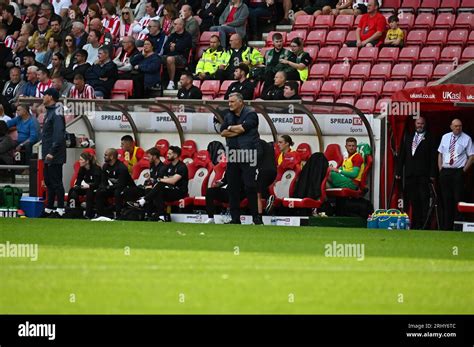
<point x="88" y="260"/>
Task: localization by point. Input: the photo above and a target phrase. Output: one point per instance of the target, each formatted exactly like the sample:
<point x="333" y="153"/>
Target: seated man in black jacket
<point x="80" y="67"/>
<point x="276" y="91"/>
<point x="243" y="85"/>
<point x="115" y="179"/>
<point x="290" y="92"/>
<point x="102" y="75"/>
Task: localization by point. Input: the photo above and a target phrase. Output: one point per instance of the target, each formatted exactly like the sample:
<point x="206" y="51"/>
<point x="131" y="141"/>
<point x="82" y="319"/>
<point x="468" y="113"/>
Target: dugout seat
<point x="217" y="174"/>
<point x="188" y="151"/>
<point x="308" y="203"/>
<point x="304" y="151"/>
<point x="465" y="207"/>
<point x="334" y="155"/>
<point x="287" y="175"/>
<point x="162" y="145"/>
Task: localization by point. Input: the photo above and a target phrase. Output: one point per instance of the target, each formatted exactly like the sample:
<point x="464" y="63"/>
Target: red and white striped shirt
<point x="144" y="24"/>
<point x="9" y="42"/>
<point x="42" y="87"/>
<point x="113" y="24"/>
<point x="87" y="93"/>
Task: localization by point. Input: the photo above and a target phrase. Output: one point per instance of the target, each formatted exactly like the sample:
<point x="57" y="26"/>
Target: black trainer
<point x="257" y="220"/>
<point x="46" y="214"/>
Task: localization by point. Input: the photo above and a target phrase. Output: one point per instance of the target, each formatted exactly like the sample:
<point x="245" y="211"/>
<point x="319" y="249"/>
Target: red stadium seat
<point x="356" y="22"/>
<point x="416" y="37"/>
<point x="470" y="40"/>
<point x="210" y="88"/>
<point x="217" y="174"/>
<point x="310" y="88"/>
<point x="325" y="99"/>
<point x="422" y="71"/>
<point x="442" y="70"/>
<point x="340" y="71"/>
<point x="410" y="6"/>
<point x="402" y="71"/>
<point x="162" y="145"/>
<point x="360" y="71"/>
<point x="351" y="36"/>
<point x="424" y="20"/>
<point x="334" y="155"/>
<point x="391" y="87"/>
<point x="368" y="54"/>
<point x="296" y="33"/>
<point x="197" y="83"/>
<point x="449" y="6"/>
<point x="118" y="95"/>
<point x="312" y="51"/>
<point x="391" y="5"/>
<point x="366" y="105"/>
<point x="336" y="37"/>
<point x="125" y="86"/>
<point x="458" y="37"/>
<point x="328" y="53"/>
<point x="467" y="54"/>
<point x="437" y="37"/>
<point x="287" y="175"/>
<point x="224" y="86"/>
<point x="316" y="37"/>
<point x="304" y="151"/>
<point x="331" y="88"/>
<point x="188" y="151"/>
<point x="406" y="20"/>
<point x="389" y="54"/>
<point x="430" y="53"/>
<point x="382" y="105"/>
<point x="308" y="202"/>
<point x="324" y="21"/>
<point x="344" y="21"/>
<point x="451" y="54"/>
<point x="381" y="71"/>
<point x="344" y="100"/>
<point x="429" y="6"/>
<point x="352" y="88"/>
<point x="372" y="88"/>
<point x="269" y="41"/>
<point x="410" y="53"/>
<point x="347" y="54"/>
<point x="319" y="71"/>
<point x="304" y="22"/>
<point x="205" y="37"/>
<point x="465" y="20"/>
<point x="415" y="84"/>
<point x="445" y="20"/>
<point x="350" y="193"/>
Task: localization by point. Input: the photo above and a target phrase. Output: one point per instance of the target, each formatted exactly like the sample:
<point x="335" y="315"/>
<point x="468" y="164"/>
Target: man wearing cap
<point x="53" y="153"/>
<point x="243" y="85"/>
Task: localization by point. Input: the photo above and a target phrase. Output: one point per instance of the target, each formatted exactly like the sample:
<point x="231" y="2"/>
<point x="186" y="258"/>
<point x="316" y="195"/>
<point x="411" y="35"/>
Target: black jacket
<point x="73" y="71"/>
<point x="311" y="177"/>
<point x="249" y="120"/>
<point x="273" y="93"/>
<point x="54" y="130"/>
<point x="92" y="177"/>
<point x="423" y="163"/>
<point x="246" y="89"/>
<point x="96" y="72"/>
<point x="116" y="177"/>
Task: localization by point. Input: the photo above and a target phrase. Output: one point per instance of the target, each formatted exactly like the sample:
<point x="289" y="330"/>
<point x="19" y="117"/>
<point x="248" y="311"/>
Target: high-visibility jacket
<point x="246" y="54"/>
<point x="209" y="61"/>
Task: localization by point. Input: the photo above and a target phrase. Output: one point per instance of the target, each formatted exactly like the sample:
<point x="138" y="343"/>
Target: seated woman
<point x="302" y="63"/>
<point x="284" y="143"/>
<point x="148" y="64"/>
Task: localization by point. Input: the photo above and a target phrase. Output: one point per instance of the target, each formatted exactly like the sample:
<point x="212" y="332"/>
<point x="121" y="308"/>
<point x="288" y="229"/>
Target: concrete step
<point x="257" y="44"/>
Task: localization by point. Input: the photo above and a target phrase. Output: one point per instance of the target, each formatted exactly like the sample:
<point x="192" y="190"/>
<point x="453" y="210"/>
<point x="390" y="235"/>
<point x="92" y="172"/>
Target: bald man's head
<point x="456" y="126"/>
<point x="95" y="24"/>
<point x="235" y="41"/>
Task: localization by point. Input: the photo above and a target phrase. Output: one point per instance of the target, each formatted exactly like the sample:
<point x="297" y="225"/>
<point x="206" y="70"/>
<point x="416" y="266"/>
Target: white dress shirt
<point x="463" y="149"/>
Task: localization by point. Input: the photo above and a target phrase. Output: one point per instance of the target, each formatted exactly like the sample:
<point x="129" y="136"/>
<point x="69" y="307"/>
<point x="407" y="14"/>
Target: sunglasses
<point x="68" y="40"/>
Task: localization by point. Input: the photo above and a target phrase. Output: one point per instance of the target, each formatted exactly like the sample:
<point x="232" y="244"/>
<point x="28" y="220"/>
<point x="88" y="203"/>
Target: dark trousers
<point x="213" y="194"/>
<point x="452" y="186"/>
<point x="53" y="178"/>
<point x="227" y="74"/>
<point x="101" y="200"/>
<point x="255" y="13"/>
<point x="417" y="191"/>
<point x="161" y="193"/>
<point x="238" y="174"/>
<point x="73" y="199"/>
<point x="138" y="83"/>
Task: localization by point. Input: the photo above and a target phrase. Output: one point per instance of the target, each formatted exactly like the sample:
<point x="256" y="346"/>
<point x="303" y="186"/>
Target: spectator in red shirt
<point x="371" y="29"/>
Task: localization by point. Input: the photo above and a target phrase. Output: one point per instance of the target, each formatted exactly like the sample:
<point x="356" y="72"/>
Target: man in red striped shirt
<point x="44" y="82"/>
<point x="81" y="90"/>
<point x="152" y="12"/>
<point x="110" y="19"/>
<point x="8" y="40"/>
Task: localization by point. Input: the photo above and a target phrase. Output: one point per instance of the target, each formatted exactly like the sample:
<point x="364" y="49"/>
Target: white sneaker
<point x="170" y="86"/>
<point x="210" y="221"/>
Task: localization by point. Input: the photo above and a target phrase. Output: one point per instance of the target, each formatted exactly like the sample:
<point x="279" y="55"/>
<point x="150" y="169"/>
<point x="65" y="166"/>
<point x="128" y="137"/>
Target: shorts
<point x="354" y="43"/>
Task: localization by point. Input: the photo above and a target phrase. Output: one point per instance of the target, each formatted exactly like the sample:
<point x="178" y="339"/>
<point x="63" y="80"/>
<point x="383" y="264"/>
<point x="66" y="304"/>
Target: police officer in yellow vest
<point x="303" y="61"/>
<point x="209" y="62"/>
<point x="237" y="54"/>
<point x="350" y="173"/>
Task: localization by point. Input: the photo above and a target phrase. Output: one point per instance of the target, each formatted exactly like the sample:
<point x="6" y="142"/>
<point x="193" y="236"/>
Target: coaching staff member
<point x="240" y="128"/>
<point x="455" y="156"/>
<point x="54" y="152"/>
<point x="417" y="164"/>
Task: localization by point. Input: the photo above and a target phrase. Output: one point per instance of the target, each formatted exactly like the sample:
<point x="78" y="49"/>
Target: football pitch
<point x="154" y="268"/>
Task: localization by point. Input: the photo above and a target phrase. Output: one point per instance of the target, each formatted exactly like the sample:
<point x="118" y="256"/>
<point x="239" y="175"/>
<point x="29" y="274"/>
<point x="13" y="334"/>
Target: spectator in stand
<point x="105" y="38"/>
<point x="69" y="51"/>
<point x="54" y="46"/>
<point x="63" y="87"/>
<point x="110" y="21"/>
<point x="93" y="11"/>
<point x="12" y="23"/>
<point x="208" y="64"/>
<point x="258" y="10"/>
<point x="79" y="34"/>
<point x="318" y="7"/>
<point x="148" y="64"/>
<point x="80" y="67"/>
<point x="455" y="157"/>
<point x="18" y="53"/>
<point x="166" y="21"/>
<point x="232" y="20"/>
<point x="138" y="8"/>
<point x="276" y="92"/>
<point x="5" y="56"/>
<point x="176" y="50"/>
<point x="210" y="12"/>
<point x="6" y="145"/>
<point x="140" y="29"/>
<point x="29" y="60"/>
<point x="129" y="153"/>
<point x="5" y="39"/>
<point x="41" y="47"/>
<point x="290" y="92"/>
<point x="188" y="90"/>
<point x="243" y="85"/>
<point x="3" y="116"/>
<point x="371" y="29"/>
<point x="274" y="58"/>
<point x="343" y="7"/>
<point x="11" y="90"/>
<point x="156" y="36"/>
<point x="57" y="65"/>
<point x="81" y="90"/>
<point x="191" y="24"/>
<point x="75" y="14"/>
<point x="61" y="6"/>
<point x="56" y="30"/>
<point x="302" y="62"/>
<point x="350" y="173"/>
<point x="237" y="53"/>
<point x="47" y="11"/>
<point x="32" y="15"/>
<point x="43" y="31"/>
<point x="44" y="82"/>
<point x="122" y="58"/>
<point x="29" y="88"/>
<point x="102" y="75"/>
<point x="28" y="130"/>
<point x="27" y="31"/>
<point x="395" y="35"/>
<point x="92" y="47"/>
<point x="127" y="21"/>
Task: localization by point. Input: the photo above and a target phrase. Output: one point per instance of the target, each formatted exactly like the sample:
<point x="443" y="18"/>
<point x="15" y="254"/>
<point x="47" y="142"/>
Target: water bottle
<point x="227" y="216"/>
<point x="399" y="223"/>
<point x="407" y="227"/>
<point x="273" y="221"/>
<point x="199" y="218"/>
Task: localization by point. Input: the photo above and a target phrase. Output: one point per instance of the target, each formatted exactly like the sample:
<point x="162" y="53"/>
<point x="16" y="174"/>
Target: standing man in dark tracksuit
<point x="240" y="128"/>
<point x="54" y="153"/>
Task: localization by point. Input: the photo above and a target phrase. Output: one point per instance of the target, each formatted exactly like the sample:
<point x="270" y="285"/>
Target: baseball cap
<point x="53" y="92"/>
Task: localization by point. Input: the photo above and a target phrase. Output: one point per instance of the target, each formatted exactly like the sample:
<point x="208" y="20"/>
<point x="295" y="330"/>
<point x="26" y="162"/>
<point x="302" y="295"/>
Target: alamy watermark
<point x="400" y="108"/>
<point x="19" y="250"/>
<point x="37" y="330"/>
<point x="241" y="156"/>
<point x="345" y="250"/>
<point x="76" y="108"/>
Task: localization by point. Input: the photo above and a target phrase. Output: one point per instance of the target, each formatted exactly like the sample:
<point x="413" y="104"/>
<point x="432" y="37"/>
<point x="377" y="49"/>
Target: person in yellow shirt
<point x="350" y="173"/>
<point x="129" y="154"/>
<point x="395" y="35"/>
<point x="209" y="62"/>
<point x="284" y="143"/>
